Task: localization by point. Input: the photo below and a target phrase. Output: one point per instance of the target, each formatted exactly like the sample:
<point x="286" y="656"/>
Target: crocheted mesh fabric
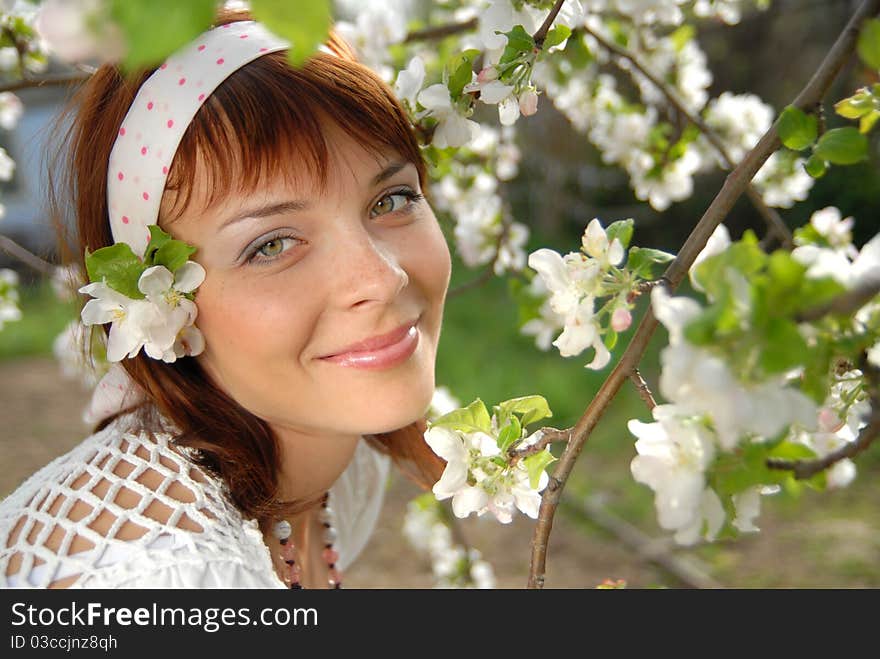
<point x="117" y="501"/>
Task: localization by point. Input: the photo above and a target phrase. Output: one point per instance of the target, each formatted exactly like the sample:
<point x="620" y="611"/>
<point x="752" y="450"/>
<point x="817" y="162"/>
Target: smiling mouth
<point x="397" y="347"/>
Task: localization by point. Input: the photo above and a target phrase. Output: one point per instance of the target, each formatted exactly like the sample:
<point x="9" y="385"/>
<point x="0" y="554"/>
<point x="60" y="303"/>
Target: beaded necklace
<point x="290" y="555"/>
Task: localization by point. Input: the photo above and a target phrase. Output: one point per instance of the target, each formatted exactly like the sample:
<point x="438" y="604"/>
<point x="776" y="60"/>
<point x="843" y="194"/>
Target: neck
<point x="311" y="463"/>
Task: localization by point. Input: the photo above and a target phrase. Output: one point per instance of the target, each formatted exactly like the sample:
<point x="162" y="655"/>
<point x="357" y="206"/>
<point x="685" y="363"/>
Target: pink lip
<point x="381" y="351"/>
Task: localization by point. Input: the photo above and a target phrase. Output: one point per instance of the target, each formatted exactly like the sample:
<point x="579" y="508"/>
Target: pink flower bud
<point x="487" y="74"/>
<point x="528" y="102"/>
<point x="621" y="319"/>
<point x="829" y="421"/>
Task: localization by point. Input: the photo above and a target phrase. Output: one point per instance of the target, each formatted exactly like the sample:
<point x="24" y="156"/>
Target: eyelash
<point x="253" y="257"/>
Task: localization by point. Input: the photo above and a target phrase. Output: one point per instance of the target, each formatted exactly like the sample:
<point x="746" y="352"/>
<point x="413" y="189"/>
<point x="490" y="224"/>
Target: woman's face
<point x="297" y="272"/>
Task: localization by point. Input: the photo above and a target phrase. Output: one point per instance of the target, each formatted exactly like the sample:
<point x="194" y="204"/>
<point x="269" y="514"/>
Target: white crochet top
<point x="60" y="526"/>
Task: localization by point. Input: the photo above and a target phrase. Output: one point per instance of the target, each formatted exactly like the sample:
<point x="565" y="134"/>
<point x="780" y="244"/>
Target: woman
<point x="250" y="448"/>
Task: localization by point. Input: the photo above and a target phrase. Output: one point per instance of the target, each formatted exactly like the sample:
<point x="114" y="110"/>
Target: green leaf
<point x="622" y="230"/>
<point x="610" y="339"/>
<point x="535" y="465"/>
<point x="556" y="36"/>
<point x="304" y="24"/>
<point x="173" y="254"/>
<point x="509" y="434"/>
<point x="118" y="266"/>
<point x="467" y="419"/>
<point x="842" y="146"/>
<point x="783" y="348"/>
<point x="157" y="239"/>
<point x="153" y="30"/>
<point x="460" y="71"/>
<point x="518" y="42"/>
<point x="797" y="129"/>
<point x="641" y="261"/>
<point x="869" y="43"/>
<point x="867" y="122"/>
<point x="682" y="36"/>
<point x="856" y="105"/>
<point x="531" y="408"/>
<point x="816" y="167"/>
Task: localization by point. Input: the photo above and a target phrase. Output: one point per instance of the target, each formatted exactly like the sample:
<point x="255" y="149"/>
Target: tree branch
<point x="642" y="388"/>
<point x="846" y="303"/>
<point x="734" y="185"/>
<point x="807" y="468"/>
<point x="548" y="436"/>
<point x="440" y="31"/>
<point x="653" y="550"/>
<point x="46" y="81"/>
<point x="541" y="34"/>
<point x="15" y="250"/>
<point x="771" y="217"/>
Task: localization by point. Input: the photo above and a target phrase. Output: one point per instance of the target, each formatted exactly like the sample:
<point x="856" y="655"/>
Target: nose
<point x="370" y="270"/>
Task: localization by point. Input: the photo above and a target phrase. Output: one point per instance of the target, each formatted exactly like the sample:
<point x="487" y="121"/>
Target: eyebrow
<point x="296" y="205"/>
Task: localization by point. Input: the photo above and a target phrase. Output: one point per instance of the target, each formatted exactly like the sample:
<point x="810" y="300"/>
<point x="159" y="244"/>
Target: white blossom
<point x="442" y="402"/>
<point x="10" y="110"/>
<point x="79" y="30"/>
<point x="410" y="81"/>
<point x="7" y="165"/>
<point x="739" y="120"/>
<point x="453" y="129"/>
<point x="782" y="180"/>
<point x="376" y="27"/>
<point x="718" y="242"/>
<point x="673" y="455"/>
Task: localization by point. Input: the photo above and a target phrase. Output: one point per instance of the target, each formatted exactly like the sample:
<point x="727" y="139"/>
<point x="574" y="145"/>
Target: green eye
<point x="389" y="203"/>
<point x="272" y="247"/>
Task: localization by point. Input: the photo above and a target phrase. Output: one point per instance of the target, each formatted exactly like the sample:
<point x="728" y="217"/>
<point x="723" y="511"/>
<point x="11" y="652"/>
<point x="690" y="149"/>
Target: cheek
<point x="246" y="322"/>
<point x="431" y="261"/>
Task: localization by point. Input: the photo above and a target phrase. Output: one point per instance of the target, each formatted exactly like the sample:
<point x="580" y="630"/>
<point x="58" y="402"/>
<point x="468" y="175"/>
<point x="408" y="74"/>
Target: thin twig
<point x="807" y="468"/>
<point x="440" y="31"/>
<point x="643" y="389"/>
<point x="547" y="437"/>
<point x="15" y="250"/>
<point x="489" y="271"/>
<point x="734" y="185"/>
<point x="846" y="303"/>
<point x="653" y="550"/>
<point x="486" y="275"/>
<point x="771" y="217"/>
<point x="45" y="81"/>
<point x="541" y="34"/>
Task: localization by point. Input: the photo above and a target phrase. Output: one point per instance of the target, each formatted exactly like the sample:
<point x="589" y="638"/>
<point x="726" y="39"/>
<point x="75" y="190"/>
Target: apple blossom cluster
<point x="453" y="565"/>
<point x="21" y="48"/>
<point x="590" y="291"/>
<point x="480" y="475"/>
<point x="148" y="301"/>
<point x="747" y="381"/>
<point x="9" y="310"/>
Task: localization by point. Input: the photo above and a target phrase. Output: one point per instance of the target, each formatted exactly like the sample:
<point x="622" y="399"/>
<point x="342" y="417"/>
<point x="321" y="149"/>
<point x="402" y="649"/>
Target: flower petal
<point x="155" y="281"/>
<point x="189" y="277"/>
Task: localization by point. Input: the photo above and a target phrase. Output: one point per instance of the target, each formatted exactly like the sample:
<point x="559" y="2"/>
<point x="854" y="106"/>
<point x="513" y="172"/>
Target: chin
<point x="395" y="416"/>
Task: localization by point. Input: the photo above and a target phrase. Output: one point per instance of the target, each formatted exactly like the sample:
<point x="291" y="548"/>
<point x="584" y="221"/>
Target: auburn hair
<point x="248" y="127"/>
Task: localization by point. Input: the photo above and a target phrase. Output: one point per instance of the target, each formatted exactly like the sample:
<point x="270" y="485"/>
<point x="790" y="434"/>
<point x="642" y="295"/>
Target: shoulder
<point x="125" y="508"/>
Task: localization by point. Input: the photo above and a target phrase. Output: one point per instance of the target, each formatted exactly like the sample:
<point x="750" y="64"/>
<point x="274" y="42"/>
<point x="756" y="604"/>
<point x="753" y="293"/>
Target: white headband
<point x="160" y="114"/>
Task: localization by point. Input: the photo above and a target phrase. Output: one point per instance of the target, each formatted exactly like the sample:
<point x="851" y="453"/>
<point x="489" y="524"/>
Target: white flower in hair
<point x="161" y="323"/>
